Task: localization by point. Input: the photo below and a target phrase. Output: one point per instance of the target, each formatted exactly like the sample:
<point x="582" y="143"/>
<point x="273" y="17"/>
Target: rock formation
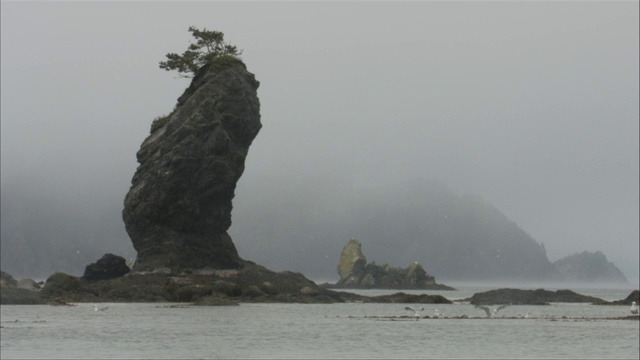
<point x="253" y="283"/>
<point x="356" y="273"/>
<point x="109" y="266"/>
<point x="530" y="297"/>
<point x="178" y="209"/>
<point x="7" y="280"/>
<point x="352" y="262"/>
<point x="634" y="296"/>
<point x="11" y="294"/>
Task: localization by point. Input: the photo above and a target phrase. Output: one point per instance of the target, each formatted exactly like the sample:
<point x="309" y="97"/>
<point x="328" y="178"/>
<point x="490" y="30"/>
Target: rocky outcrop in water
<point x="250" y="284"/>
<point x="634" y="296"/>
<point x="355" y="273"/>
<point x="531" y="297"/>
<point x="178" y="209"/>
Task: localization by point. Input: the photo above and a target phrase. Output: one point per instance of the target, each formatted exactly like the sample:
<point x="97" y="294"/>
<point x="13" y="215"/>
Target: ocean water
<point x="334" y="331"/>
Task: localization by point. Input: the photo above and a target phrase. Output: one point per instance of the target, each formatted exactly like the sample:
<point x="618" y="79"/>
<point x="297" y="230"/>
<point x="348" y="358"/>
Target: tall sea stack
<point x="178" y="209"/>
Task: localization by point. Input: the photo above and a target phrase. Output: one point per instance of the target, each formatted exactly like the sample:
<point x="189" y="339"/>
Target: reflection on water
<point x="349" y="330"/>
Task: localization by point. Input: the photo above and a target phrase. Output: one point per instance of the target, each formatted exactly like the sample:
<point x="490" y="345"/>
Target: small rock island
<point x="356" y="273"/>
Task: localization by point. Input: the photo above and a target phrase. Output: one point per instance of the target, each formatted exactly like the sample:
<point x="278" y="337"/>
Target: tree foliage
<point x="208" y="46"/>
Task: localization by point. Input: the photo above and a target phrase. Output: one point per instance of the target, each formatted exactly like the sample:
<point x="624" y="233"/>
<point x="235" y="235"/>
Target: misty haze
<point x="488" y="141"/>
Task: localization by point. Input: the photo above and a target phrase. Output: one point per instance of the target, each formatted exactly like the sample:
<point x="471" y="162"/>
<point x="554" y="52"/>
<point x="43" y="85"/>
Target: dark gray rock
<point x="61" y="288"/>
<point x="634" y="296"/>
<point x="17" y="296"/>
<point x="7" y="280"/>
<point x="178" y="209"/>
<point x="226" y="288"/>
<point x="109" y="266"/>
<point x="61" y="283"/>
<point x="411" y="298"/>
<point x="214" y="300"/>
<point x="356" y="273"/>
<point x="252" y="291"/>
<point x="15" y="292"/>
<point x="531" y="297"/>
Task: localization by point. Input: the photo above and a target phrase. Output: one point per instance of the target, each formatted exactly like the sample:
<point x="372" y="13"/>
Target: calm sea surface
<point x="353" y="330"/>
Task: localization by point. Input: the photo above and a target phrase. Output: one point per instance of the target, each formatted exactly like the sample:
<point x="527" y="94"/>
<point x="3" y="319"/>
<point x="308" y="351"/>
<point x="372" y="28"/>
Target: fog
<point x="531" y="105"/>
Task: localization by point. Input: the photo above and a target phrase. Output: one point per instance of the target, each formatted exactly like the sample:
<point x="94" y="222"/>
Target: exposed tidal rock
<point x="355" y="273"/>
<point x="633" y="297"/>
<point x="109" y="266"/>
<point x="178" y="209"/>
<point x="531" y="297"/>
<point x="412" y="298"/>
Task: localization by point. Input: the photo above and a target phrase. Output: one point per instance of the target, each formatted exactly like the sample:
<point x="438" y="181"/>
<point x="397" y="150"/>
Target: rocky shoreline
<point x="251" y="284"/>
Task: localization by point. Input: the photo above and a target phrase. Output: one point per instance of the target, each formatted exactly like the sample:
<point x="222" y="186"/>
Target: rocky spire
<point x="352" y="262"/>
<point x="178" y="209"/>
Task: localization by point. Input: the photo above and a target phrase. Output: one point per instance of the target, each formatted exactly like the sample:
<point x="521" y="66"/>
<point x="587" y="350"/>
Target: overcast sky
<point x="532" y="105"/>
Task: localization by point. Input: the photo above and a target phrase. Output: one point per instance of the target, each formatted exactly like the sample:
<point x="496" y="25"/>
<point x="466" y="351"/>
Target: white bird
<point x="416" y="312"/>
<point x="634" y="309"/>
<point x="437" y="314"/>
<point x="490" y="313"/>
<point x="96" y="308"/>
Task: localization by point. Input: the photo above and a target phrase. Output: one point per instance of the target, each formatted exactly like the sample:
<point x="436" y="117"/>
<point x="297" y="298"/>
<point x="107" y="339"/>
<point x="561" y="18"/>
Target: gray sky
<point x="533" y="105"/>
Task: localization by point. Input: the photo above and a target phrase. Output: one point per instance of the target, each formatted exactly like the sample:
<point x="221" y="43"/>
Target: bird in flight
<point x="490" y="313"/>
<point x="416" y="312"/>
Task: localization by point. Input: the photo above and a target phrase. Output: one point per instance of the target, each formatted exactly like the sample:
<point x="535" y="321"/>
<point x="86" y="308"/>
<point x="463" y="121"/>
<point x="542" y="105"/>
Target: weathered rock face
<point x="178" y="209"/>
<point x="356" y="273"/>
<point x="352" y="261"/>
<point x="109" y="266"/>
<point x="60" y="284"/>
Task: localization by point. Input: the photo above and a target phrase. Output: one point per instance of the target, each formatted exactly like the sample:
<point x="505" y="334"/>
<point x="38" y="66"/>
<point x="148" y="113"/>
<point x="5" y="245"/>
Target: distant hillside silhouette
<point x="304" y="229"/>
<point x="459" y="237"/>
<point x="589" y="267"/>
